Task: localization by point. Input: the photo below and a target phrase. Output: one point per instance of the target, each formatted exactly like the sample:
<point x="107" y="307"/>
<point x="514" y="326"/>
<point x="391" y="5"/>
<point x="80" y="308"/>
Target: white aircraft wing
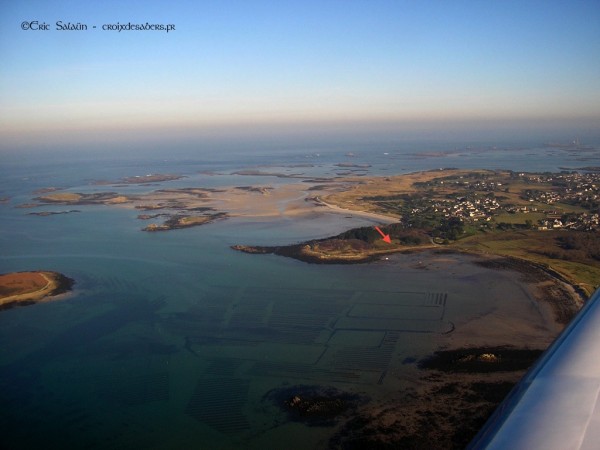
<point x="556" y="405"/>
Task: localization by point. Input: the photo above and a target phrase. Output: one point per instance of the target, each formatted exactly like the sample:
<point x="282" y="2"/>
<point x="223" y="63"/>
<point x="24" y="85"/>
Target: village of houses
<point x="566" y="200"/>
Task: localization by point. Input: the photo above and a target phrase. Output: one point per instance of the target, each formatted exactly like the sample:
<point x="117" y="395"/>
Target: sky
<point x="243" y="68"/>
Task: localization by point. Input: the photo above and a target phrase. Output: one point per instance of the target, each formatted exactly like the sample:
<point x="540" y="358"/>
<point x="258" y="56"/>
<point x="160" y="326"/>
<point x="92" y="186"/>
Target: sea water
<point x="174" y="340"/>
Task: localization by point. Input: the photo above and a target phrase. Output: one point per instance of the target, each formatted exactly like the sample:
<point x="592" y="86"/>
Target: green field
<point x="576" y="266"/>
<point x="519" y="218"/>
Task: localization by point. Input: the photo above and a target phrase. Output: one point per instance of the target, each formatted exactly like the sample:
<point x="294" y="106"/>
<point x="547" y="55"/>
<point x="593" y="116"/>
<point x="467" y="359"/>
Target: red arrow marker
<point x="386" y="237"/>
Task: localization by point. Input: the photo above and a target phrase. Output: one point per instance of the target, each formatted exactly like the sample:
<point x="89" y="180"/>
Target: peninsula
<point x="358" y="245"/>
<point x="549" y="220"/>
<point x="27" y="288"/>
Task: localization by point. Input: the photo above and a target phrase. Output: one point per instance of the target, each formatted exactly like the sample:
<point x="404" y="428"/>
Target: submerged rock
<point x="315" y="405"/>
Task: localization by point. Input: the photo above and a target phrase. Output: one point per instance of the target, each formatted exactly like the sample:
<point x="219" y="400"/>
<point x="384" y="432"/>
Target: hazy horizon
<point x="314" y="72"/>
<point x="347" y="137"/>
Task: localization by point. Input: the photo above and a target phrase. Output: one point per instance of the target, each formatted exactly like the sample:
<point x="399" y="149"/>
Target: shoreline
<point x="579" y="295"/>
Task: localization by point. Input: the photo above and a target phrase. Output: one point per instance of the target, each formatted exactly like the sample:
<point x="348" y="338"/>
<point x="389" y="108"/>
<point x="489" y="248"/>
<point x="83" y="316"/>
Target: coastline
<point x="186" y="207"/>
<point x="438" y="397"/>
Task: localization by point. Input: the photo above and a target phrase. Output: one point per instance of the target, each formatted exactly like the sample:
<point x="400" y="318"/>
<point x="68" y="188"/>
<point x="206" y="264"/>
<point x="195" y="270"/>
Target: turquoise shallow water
<point x="173" y="340"/>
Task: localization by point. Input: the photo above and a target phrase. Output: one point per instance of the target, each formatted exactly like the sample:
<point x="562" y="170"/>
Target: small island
<point x="76" y="198"/>
<point x="142" y="179"/>
<point x="52" y="213"/>
<point x="27" y="288"/>
<point x="178" y="222"/>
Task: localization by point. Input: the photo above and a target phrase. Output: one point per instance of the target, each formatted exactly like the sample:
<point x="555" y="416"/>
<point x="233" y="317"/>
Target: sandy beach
<point x="283" y="201"/>
<point x="248" y="201"/>
<point x="355" y="212"/>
